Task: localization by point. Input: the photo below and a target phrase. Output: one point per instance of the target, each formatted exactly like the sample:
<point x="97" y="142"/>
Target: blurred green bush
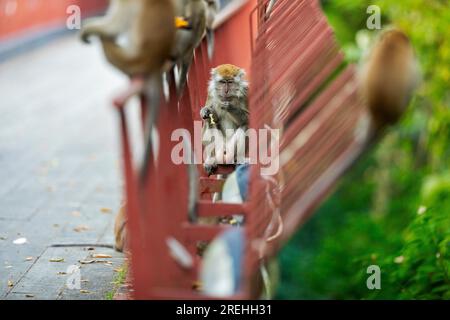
<point x="393" y="209"/>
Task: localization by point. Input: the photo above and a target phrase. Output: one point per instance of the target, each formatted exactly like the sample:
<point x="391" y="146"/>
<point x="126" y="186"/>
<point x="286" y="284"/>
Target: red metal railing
<point x="17" y="17"/>
<point x="158" y="209"/>
<point x="299" y="85"/>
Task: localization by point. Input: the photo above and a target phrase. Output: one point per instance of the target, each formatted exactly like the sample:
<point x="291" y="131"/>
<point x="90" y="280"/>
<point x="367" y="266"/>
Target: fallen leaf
<point x="3" y="238"/>
<point x="197" y="286"/>
<point x="86" y="261"/>
<point x="20" y="241"/>
<point x="76" y="213"/>
<point x="84" y="291"/>
<point x="61" y="273"/>
<point x="29" y="295"/>
<point x="10" y="283"/>
<point x="105" y="210"/>
<point x="29" y="258"/>
<point x="101" y="256"/>
<point x="81" y="228"/>
<point x="56" y="260"/>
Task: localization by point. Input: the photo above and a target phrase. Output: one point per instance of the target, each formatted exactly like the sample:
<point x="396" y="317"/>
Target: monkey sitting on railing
<point x="226" y="111"/>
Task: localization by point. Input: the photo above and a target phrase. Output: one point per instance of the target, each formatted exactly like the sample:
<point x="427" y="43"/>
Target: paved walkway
<point x="60" y="178"/>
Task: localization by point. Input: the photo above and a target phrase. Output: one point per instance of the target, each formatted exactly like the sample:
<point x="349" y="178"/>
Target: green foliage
<point x="119" y="280"/>
<point x="393" y="209"/>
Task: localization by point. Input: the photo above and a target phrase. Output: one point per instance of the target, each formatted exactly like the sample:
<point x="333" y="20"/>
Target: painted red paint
<point x="17" y="17"/>
<point x="289" y="57"/>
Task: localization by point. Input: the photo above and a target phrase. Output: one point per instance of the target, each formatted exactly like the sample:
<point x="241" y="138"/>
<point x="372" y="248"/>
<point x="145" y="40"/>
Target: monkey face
<point x="226" y="89"/>
<point x="227" y="86"/>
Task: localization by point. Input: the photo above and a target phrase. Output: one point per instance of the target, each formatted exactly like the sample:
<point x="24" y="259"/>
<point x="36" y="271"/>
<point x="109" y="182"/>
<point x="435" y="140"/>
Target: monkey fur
<point x="150" y="30"/>
<point x="388" y="78"/>
<point x="187" y="39"/>
<point x="226" y="106"/>
<point x="212" y="8"/>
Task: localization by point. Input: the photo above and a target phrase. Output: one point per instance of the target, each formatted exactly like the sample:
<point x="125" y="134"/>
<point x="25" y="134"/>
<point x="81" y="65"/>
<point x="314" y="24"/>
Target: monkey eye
<point x="226" y="81"/>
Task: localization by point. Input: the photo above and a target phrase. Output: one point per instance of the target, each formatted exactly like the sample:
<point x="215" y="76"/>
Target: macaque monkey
<point x="148" y="27"/>
<point x="150" y="30"/>
<point x="226" y="107"/>
<point x="189" y="37"/>
<point x="389" y="78"/>
<point x="213" y="7"/>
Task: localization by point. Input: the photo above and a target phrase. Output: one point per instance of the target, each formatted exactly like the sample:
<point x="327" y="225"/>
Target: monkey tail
<point x="184" y="69"/>
<point x="211" y="42"/>
<point x="153" y="94"/>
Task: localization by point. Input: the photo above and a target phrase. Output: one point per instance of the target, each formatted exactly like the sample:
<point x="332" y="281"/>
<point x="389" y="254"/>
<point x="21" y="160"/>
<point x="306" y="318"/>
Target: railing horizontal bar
<point x="216" y="209"/>
<point x="211" y="185"/>
<point x="193" y="232"/>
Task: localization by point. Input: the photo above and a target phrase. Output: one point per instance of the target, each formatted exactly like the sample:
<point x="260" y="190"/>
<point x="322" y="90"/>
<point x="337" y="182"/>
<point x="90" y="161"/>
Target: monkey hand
<point x="85" y="35"/>
<point x="90" y="30"/>
<point x="205" y="113"/>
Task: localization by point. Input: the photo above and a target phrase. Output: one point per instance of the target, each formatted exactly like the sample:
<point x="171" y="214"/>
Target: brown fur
<point x="227" y="105"/>
<point x="389" y="78"/>
<point x="150" y="27"/>
<point x="120" y="230"/>
<point x="187" y="40"/>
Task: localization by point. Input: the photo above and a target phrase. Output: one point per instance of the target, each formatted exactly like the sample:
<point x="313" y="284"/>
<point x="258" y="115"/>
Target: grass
<point x="118" y="281"/>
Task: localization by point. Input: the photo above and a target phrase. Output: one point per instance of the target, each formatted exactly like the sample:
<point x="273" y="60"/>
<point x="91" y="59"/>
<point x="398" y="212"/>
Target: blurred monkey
<point x="189" y="37"/>
<point x="149" y="28"/>
<point x="120" y="230"/>
<point x="226" y="106"/>
<point x="389" y="77"/>
<point x="213" y="7"/>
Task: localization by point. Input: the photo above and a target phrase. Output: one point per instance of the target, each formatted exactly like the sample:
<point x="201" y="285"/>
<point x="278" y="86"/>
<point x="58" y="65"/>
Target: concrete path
<point x="60" y="174"/>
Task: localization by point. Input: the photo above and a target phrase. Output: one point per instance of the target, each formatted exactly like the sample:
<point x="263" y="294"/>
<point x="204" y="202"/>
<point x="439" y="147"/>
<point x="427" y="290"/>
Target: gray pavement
<point x="60" y="174"/>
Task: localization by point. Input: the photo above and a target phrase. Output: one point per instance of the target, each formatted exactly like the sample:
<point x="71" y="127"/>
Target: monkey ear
<point x="242" y="80"/>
